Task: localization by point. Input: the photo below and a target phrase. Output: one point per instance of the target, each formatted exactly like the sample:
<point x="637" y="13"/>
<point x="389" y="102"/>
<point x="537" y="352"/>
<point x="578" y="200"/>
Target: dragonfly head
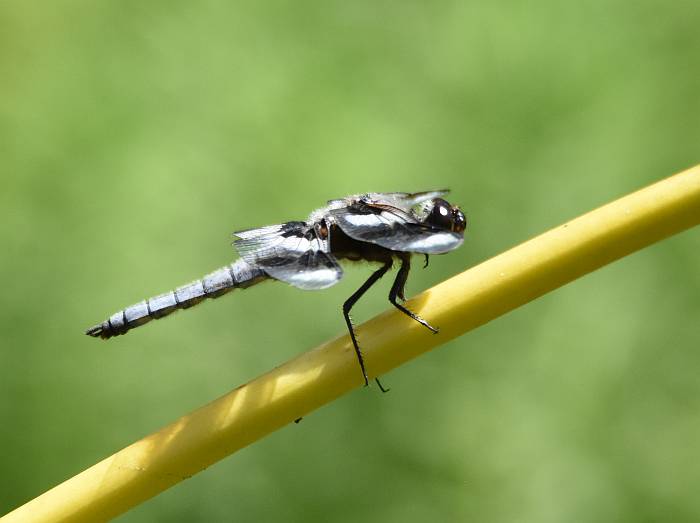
<point x="446" y="216"/>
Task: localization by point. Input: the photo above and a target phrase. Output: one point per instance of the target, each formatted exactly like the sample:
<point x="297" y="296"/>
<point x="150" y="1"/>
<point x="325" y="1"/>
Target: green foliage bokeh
<point x="135" y="136"/>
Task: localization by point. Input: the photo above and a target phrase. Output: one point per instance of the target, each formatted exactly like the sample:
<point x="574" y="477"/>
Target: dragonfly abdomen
<point x="239" y="274"/>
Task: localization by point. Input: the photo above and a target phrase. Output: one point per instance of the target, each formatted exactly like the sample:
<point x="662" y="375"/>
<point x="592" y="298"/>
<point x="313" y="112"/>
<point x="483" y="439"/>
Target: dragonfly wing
<point x="394" y="229"/>
<point x="403" y="200"/>
<point x="290" y="252"/>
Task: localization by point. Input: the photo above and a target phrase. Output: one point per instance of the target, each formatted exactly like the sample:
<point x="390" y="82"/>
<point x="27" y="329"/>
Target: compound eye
<point x="441" y="215"/>
<point x="459" y="221"/>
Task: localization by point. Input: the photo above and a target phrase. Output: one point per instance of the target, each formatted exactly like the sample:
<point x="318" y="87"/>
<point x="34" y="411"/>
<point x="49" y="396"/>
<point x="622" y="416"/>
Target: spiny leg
<point x="380" y="385"/>
<point x="397" y="290"/>
<point x="347" y="306"/>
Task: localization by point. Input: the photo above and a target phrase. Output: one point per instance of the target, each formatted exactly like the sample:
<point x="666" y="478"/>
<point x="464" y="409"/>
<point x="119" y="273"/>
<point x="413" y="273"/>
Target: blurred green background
<point x="134" y="137"/>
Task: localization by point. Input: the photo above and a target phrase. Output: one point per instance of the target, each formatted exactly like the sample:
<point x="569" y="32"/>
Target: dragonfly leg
<point x="380" y="385"/>
<point x="397" y="291"/>
<point x="347" y="306"/>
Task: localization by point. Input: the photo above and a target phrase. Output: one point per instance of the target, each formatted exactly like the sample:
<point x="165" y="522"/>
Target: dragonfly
<point x="383" y="228"/>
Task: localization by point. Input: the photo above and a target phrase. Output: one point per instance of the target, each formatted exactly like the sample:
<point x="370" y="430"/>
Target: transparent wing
<point x="404" y="200"/>
<point x="393" y="228"/>
<point x="400" y="200"/>
<point x="290" y="252"/>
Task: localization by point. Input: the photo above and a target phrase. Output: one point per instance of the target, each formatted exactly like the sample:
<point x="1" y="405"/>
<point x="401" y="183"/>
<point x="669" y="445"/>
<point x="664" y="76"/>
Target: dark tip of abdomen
<point x="102" y="330"/>
<point x="115" y="325"/>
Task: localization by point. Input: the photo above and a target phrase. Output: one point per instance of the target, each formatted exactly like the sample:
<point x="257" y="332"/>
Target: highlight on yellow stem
<point x="315" y="378"/>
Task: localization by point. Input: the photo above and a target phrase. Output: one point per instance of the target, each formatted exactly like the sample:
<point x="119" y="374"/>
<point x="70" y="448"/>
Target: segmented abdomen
<point x="237" y="275"/>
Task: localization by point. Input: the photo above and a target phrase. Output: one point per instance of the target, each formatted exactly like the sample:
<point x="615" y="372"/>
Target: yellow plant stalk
<point x="315" y="378"/>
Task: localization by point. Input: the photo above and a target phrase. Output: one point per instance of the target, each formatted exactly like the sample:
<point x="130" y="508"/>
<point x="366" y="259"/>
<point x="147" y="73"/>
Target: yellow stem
<point x="315" y="378"/>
